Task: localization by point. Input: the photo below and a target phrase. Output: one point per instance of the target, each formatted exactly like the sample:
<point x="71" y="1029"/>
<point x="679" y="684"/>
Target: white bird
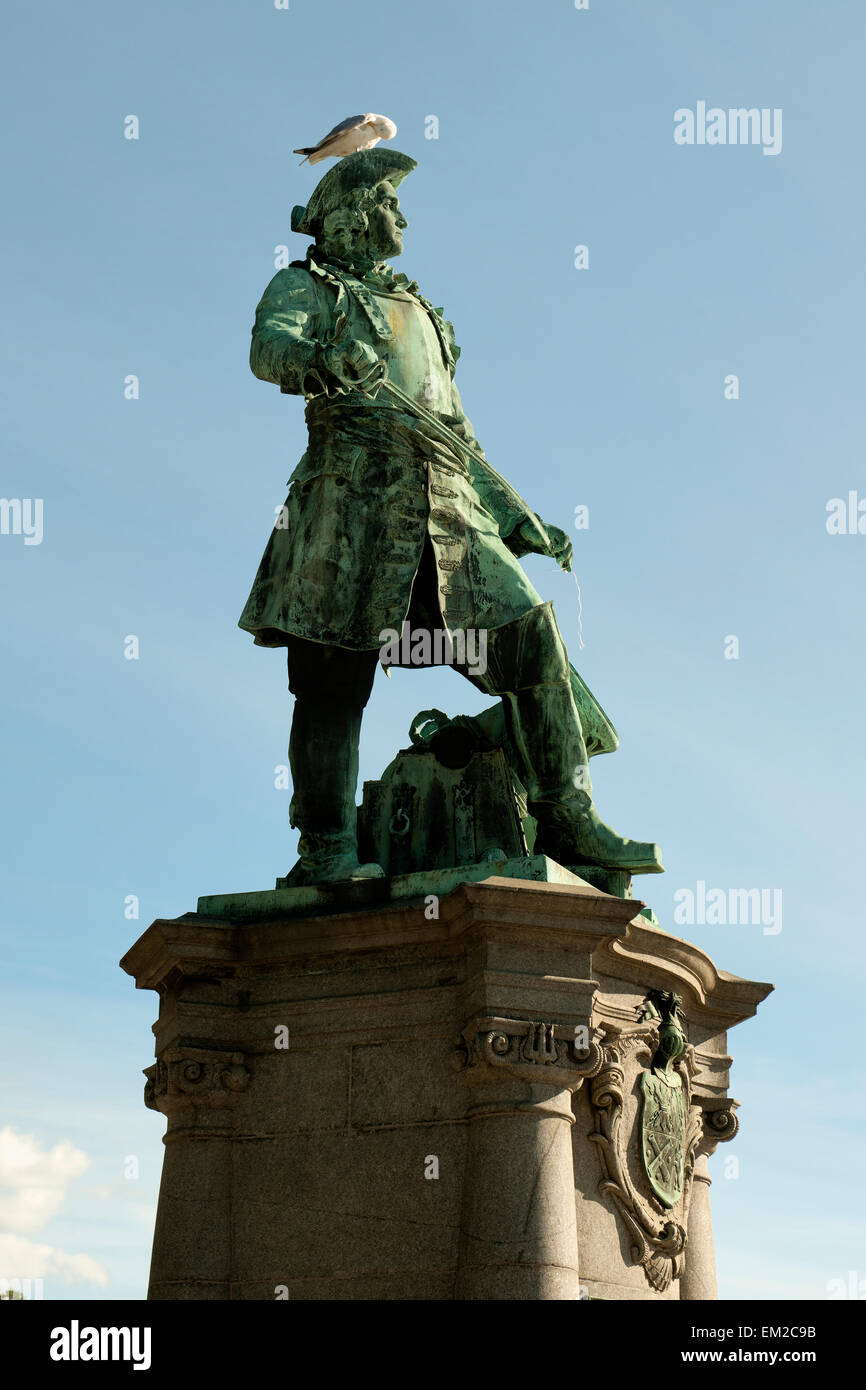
<point x="357" y="133"/>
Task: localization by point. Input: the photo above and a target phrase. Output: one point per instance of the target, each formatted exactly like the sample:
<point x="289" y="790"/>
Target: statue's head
<point x="354" y="213"/>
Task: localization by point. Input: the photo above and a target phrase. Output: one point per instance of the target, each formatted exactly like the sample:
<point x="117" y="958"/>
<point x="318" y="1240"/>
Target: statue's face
<point x="387" y="223"/>
<point x="376" y="233"/>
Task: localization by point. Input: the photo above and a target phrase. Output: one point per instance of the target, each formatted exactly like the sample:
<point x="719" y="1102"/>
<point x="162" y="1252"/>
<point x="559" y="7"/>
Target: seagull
<point x="357" y="133"/>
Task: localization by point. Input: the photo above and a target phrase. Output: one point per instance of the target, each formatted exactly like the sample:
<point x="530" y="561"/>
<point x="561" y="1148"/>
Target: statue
<point x="395" y="515"/>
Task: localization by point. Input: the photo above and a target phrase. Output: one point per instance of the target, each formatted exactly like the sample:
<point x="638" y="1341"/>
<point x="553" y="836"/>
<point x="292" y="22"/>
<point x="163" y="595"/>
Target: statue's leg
<point x="527" y="665"/>
<point x="331" y="686"/>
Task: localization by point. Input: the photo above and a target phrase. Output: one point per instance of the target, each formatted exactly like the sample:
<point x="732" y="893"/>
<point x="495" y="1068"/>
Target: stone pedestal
<point x="428" y="1097"/>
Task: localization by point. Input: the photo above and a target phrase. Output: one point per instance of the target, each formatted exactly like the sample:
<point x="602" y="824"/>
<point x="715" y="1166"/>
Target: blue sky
<point x="601" y="387"/>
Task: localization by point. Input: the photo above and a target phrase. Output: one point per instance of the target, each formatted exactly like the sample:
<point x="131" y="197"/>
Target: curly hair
<point x="345" y="226"/>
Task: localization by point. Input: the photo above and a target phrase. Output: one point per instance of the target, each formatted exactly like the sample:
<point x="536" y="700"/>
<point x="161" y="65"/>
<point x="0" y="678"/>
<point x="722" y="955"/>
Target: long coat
<point x="375" y="482"/>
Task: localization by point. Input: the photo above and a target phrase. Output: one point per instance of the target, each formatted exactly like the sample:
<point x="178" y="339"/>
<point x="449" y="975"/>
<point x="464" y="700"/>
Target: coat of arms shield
<point x="663" y="1133"/>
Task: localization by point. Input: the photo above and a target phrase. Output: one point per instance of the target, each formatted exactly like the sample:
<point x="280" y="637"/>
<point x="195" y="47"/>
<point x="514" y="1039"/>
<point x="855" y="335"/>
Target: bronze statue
<point x="395" y="515"/>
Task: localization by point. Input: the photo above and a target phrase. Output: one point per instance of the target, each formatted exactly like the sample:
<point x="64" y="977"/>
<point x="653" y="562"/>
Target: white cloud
<point x="33" y="1186"/>
<point x="21" y="1258"/>
<point x="34" y="1181"/>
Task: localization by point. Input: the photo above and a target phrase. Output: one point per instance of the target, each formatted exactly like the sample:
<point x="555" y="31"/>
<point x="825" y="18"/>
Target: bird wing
<point x="353" y="123"/>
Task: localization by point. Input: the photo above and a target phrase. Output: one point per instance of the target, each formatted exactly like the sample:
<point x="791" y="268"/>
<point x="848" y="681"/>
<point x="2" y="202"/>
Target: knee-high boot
<point x="528" y="668"/>
<point x="323" y="756"/>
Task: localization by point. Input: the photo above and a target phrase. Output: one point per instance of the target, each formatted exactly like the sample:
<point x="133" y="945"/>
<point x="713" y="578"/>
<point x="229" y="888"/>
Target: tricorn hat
<point x="362" y="170"/>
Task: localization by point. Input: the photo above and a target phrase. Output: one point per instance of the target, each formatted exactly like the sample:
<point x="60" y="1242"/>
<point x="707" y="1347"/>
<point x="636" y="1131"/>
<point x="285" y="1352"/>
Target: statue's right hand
<point x="353" y="363"/>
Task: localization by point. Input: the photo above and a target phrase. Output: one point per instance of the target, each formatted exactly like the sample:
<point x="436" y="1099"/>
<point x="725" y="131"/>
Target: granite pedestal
<point x="382" y="1091"/>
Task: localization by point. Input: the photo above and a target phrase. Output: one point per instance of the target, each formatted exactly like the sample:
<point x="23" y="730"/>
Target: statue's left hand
<point x="561" y="547"/>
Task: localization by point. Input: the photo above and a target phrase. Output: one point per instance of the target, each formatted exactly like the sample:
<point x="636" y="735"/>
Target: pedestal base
<point x="435" y="1096"/>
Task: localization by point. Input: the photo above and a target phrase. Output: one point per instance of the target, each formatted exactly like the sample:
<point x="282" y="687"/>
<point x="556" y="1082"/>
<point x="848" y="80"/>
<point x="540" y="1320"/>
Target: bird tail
<point x="310" y="150"/>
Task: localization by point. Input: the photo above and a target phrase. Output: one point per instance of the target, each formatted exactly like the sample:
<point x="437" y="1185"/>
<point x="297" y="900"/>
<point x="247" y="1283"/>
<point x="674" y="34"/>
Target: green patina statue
<point x="395" y="522"/>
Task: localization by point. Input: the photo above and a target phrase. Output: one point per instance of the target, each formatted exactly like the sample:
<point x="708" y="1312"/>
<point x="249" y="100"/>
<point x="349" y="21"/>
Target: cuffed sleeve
<point x="524" y="539"/>
<point x="284" y="348"/>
